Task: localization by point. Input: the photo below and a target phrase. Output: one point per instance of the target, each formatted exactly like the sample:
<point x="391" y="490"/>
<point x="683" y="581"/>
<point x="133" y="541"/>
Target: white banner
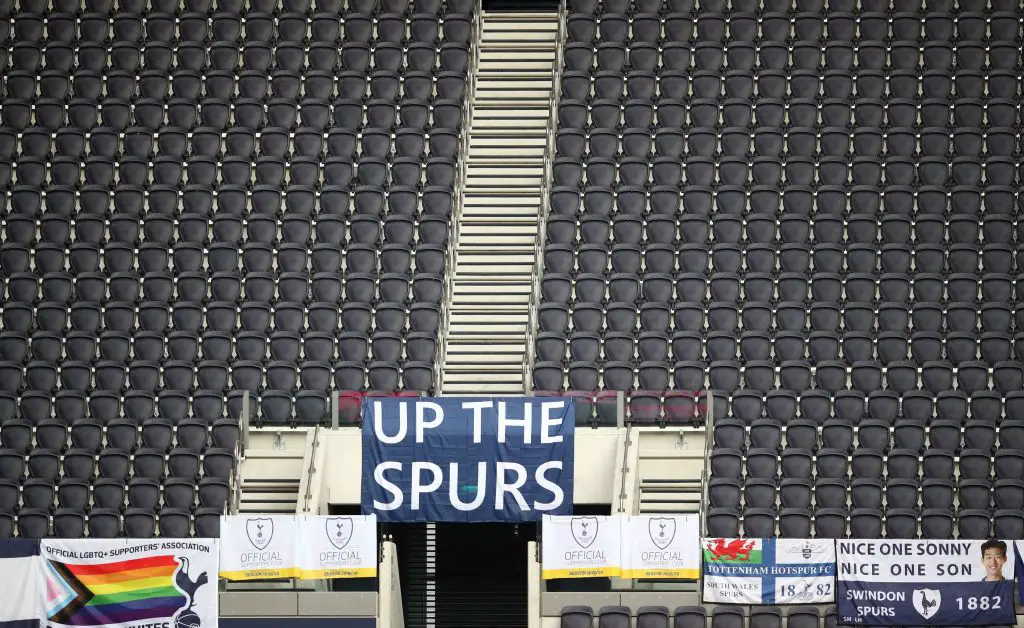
<point x="131" y="583"/>
<point x="581" y="547"/>
<point x="661" y="547"/>
<point x="259" y="547"/>
<point x="337" y="547"/>
<point x="769" y="571"/>
<point x="924" y="582"/>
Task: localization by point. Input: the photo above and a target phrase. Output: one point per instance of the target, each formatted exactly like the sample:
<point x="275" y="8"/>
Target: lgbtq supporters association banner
<point x="769" y="571"/>
<point x="129" y="583"/>
<point x="920" y="582"/>
<point x="651" y="547"/>
<point x="304" y="547"/>
<point x="502" y="459"/>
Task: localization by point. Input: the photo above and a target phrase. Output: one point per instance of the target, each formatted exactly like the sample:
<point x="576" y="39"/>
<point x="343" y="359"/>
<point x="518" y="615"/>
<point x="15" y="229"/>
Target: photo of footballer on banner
<point x="921" y="582"/>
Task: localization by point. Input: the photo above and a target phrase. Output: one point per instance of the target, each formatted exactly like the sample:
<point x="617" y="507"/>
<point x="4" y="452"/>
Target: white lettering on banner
<point x="924" y="582"/>
<point x="454" y="484"/>
<point x="378" y="427"/>
<point x="418" y="487"/>
<point x="557" y="494"/>
<point x="387" y="485"/>
<point x="430" y="415"/>
<point x="504" y="485"/>
<point x="549" y="423"/>
<point x="467" y="459"/>
<point x="505" y="421"/>
<point x="512" y="489"/>
<point x="422" y="425"/>
<point x="478" y="408"/>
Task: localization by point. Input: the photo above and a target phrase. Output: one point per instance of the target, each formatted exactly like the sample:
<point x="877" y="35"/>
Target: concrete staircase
<point x="494" y="262"/>
<point x="273" y="471"/>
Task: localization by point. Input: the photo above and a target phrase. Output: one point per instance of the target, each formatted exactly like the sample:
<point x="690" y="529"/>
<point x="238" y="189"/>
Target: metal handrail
<point x="311" y="469"/>
<point x="545" y="205"/>
<point x="709" y="435"/>
<point x="235" y="482"/>
<point x="455" y="222"/>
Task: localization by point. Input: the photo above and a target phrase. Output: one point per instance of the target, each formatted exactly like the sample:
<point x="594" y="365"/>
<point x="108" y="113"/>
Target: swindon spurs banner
<point x="925" y="582"/>
<point x="304" y="547"/>
<point x="130" y="583"/>
<point x="769" y="571"/>
<point x="649" y="547"/>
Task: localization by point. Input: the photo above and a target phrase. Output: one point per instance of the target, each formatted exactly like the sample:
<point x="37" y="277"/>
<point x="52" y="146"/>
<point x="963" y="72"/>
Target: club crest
<point x="662" y="531"/>
<point x="260" y="532"/>
<point x="339" y="531"/>
<point x="584" y="530"/>
<point x="927" y="602"/>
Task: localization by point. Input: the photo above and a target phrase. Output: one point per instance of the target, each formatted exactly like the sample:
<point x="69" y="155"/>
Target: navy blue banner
<point x="925" y="582"/>
<point x="502" y="459"/>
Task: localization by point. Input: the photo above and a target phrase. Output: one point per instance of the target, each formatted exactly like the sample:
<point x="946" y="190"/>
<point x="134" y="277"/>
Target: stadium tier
<point x="771" y="249"/>
<point x="205" y="201"/>
<point x="695" y="617"/>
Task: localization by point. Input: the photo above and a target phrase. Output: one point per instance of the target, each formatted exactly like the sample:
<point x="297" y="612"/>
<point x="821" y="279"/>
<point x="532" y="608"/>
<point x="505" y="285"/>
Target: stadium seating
<point x="203" y="201"/>
<point x="817" y="220"/>
<point x="698" y="617"/>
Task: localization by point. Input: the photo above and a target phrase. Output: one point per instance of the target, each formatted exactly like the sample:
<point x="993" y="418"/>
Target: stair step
<point x="495" y="259"/>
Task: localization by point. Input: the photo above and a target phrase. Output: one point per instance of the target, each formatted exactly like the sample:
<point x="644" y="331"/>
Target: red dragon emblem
<point x="736" y="549"/>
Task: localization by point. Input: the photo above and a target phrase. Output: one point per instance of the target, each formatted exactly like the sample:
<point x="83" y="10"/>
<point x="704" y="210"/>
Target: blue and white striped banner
<point x="769" y="571"/>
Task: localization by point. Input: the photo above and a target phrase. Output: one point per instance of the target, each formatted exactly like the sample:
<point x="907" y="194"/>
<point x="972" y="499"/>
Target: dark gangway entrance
<point x="463" y="575"/>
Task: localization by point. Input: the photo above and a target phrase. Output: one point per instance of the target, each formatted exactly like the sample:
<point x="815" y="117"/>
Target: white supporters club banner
<point x="127" y="583"/>
<point x="661" y="547"/>
<point x="923" y="582"/>
<point x="769" y="571"/>
<point x="305" y="547"/>
<point x="580" y="547"/>
<point x="337" y="547"/>
<point x="258" y="547"/>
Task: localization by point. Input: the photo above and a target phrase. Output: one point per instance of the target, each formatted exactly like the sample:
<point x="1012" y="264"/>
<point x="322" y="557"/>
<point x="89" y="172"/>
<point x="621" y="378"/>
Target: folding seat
<point x="973" y="524"/>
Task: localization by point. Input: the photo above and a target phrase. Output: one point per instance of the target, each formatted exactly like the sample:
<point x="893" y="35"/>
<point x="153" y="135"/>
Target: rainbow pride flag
<point x="113" y="592"/>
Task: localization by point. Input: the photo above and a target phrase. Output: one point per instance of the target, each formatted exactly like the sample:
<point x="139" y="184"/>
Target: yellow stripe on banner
<point x="659" y="574"/>
<point x="260" y="574"/>
<point x="582" y="572"/>
<point x="338" y="572"/>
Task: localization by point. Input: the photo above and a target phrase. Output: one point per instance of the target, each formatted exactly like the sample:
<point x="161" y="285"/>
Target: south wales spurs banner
<point x="661" y="547"/>
<point x="260" y="547"/>
<point x="769" y="571"/>
<point x="580" y="547"/>
<point x="337" y="547"/>
<point x="919" y="582"/>
<point x="130" y="583"/>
